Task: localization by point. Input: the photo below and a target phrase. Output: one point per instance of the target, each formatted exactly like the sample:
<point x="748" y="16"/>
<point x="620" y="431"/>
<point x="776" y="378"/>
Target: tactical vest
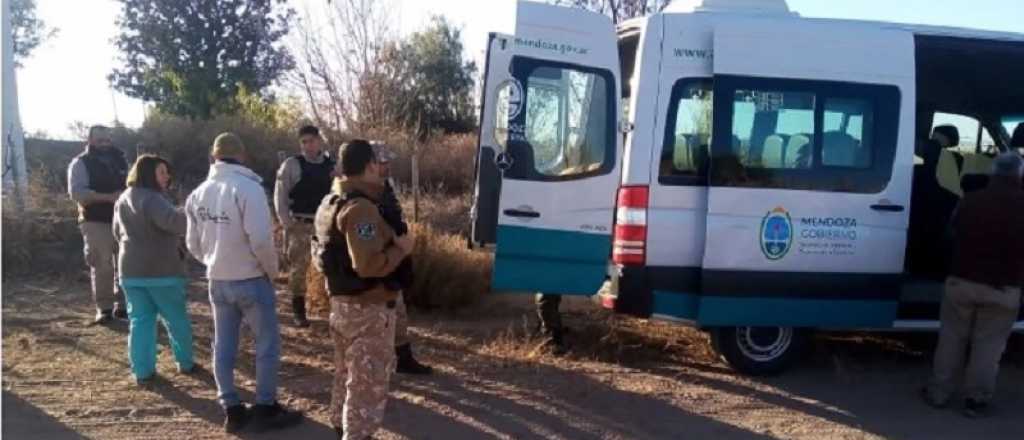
<point x="329" y="250"/>
<point x="311" y="188"/>
<point x="107" y="172"/>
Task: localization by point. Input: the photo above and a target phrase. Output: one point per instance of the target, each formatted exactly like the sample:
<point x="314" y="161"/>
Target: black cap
<point x="355" y="156"/>
<point x="309" y="129"/>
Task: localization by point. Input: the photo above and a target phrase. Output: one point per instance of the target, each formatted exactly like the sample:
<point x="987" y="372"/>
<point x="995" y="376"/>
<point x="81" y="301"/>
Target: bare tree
<point x="337" y="45"/>
<point x="618" y="10"/>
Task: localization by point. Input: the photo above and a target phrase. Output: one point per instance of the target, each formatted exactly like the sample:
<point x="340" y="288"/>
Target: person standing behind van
<point x="229" y="230"/>
<point x="551" y="322"/>
<point x="95" y="180"/>
<point x="151" y="266"/>
<point x="302" y="182"/>
<point x="983" y="294"/>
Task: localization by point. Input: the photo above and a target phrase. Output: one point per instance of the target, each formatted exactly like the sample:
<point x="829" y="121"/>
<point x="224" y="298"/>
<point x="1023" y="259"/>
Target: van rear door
<point x="810" y="174"/>
<point x="549" y="151"/>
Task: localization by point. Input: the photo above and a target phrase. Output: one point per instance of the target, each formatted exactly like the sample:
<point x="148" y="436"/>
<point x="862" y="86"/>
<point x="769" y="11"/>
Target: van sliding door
<point x="810" y="175"/>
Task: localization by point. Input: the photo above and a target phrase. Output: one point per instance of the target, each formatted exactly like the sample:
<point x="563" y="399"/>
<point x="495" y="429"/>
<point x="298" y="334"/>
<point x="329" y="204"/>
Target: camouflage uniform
<point x="363" y="360"/>
<point x="299" y="233"/>
<point x="401" y="322"/>
<point x="363" y="323"/>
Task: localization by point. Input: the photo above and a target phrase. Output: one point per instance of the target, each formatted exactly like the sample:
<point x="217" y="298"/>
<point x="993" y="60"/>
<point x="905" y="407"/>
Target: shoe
<point x="145" y="381"/>
<point x="975" y="409"/>
<point x="299" y="308"/>
<point x="103" y="317"/>
<point x="407" y="364"/>
<point x="235" y="418"/>
<point x="120" y="312"/>
<point x="274" y="416"/>
<point x="556" y="342"/>
<point x="931" y="401"/>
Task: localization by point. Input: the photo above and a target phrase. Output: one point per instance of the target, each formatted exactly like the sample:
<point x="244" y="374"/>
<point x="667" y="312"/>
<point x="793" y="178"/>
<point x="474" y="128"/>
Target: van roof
<point x="779" y="9"/>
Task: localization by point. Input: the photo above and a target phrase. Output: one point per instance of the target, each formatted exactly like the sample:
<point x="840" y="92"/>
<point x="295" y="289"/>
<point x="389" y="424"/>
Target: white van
<point x="733" y="166"/>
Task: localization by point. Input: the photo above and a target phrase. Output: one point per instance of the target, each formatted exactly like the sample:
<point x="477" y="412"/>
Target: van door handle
<point x="887" y="207"/>
<point x="521" y="213"/>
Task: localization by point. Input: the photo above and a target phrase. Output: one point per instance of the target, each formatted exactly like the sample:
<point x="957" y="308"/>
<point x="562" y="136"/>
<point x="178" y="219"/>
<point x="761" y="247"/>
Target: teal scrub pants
<point x="147" y="299"/>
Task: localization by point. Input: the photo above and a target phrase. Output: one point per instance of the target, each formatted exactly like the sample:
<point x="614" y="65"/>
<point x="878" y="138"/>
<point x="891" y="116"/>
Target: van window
<point x="797" y="134"/>
<point x="565" y="129"/>
<point x="773" y="128"/>
<point x="687" y="142"/>
<point x="966" y="125"/>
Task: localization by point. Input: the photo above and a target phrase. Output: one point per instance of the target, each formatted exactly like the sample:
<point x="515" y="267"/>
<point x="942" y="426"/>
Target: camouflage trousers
<point x="299" y="235"/>
<point x="364" y="357"/>
<point x="401" y="322"/>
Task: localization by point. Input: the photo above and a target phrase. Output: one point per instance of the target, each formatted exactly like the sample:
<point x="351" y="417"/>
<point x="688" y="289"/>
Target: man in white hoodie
<point x="229" y="230"/>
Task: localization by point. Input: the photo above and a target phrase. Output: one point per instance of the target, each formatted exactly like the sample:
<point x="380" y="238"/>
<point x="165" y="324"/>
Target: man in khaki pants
<point x="302" y="182"/>
<point x="983" y="295"/>
<point x="95" y="180"/>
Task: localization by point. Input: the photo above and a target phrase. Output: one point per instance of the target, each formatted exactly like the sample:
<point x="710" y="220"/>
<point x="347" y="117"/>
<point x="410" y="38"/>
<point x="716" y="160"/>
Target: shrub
<point x="448" y="274"/>
<point x="44" y="236"/>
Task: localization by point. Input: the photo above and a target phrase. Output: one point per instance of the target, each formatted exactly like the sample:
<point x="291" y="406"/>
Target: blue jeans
<point x="251" y="301"/>
<point x="147" y="299"/>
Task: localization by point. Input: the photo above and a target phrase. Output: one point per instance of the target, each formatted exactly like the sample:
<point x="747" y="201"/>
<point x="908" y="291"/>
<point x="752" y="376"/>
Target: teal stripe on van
<point x="676" y="304"/>
<point x="550" y="261"/>
<point x="795" y="312"/>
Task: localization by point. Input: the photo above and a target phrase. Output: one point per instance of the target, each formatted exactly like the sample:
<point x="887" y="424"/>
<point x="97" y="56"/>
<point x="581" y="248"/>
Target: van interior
<point x="970" y="93"/>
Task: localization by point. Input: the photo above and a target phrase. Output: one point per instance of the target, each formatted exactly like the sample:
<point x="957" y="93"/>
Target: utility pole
<point x="15" y="180"/>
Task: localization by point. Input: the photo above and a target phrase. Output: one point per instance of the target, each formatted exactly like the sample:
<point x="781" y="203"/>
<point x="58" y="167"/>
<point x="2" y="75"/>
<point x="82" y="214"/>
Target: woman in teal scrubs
<point x="151" y="266"/>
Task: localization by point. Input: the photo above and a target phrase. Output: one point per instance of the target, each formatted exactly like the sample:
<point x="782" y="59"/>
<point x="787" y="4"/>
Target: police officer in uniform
<point x="391" y="211"/>
<point x="358" y="252"/>
<point x="302" y="182"/>
<point x="95" y="180"/>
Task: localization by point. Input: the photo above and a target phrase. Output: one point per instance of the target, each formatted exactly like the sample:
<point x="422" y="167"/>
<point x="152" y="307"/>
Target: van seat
<point x="682" y="157"/>
<point x="798" y="151"/>
<point x="773" y="152"/>
<point x="977" y="163"/>
<point x="840" y="149"/>
<point x="947" y="171"/>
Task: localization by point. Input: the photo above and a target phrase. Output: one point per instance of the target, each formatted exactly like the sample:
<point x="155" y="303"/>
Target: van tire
<point x="759" y="351"/>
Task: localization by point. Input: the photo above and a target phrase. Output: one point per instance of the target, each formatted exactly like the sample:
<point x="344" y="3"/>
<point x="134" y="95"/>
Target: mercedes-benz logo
<point x="503" y="161"/>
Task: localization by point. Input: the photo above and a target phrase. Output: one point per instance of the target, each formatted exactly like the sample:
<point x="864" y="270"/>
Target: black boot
<point x="274" y="416"/>
<point x="235" y="418"/>
<point x="299" y="307"/>
<point x="556" y="342"/>
<point x="407" y="364"/>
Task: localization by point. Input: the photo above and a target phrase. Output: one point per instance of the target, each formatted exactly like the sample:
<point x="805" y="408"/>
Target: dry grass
<point x="600" y="336"/>
<point x="444" y="212"/>
<point x="448" y="274"/>
<point x="45" y="234"/>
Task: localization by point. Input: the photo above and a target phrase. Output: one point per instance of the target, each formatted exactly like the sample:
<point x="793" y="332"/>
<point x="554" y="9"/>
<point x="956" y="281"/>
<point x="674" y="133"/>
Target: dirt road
<point x="625" y="379"/>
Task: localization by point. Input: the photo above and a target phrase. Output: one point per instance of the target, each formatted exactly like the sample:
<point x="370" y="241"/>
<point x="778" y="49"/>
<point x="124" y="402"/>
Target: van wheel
<point x="759" y="351"/>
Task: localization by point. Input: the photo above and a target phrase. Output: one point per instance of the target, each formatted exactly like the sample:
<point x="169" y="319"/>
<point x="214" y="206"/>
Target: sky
<point x="65" y="80"/>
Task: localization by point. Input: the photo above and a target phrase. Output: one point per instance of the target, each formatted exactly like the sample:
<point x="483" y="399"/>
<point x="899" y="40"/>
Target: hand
<point x="115" y="196"/>
<point x="405" y="243"/>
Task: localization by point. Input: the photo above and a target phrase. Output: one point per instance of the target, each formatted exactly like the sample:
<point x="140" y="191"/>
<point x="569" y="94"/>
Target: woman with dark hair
<point x="151" y="266"/>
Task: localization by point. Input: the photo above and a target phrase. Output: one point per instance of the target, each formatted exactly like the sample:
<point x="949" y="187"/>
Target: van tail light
<point x="629" y="246"/>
